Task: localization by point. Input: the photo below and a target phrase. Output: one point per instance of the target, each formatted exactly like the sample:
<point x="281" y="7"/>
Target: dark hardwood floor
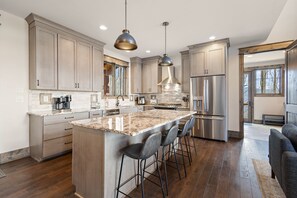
<point x="218" y="170"/>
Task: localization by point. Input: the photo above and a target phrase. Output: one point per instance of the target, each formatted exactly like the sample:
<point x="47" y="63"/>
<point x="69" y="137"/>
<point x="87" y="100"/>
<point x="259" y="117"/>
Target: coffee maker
<point x="62" y="103"/>
<point x="141" y="100"/>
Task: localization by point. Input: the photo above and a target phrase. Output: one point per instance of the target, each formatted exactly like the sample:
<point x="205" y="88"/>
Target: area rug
<point x="2" y="174"/>
<point x="270" y="188"/>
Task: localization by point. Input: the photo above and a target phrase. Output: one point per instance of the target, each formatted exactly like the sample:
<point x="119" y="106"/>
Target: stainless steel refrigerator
<point x="208" y="99"/>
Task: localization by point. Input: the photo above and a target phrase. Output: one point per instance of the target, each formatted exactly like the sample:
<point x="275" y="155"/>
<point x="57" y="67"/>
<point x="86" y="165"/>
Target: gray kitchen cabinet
<point x="66" y="63"/>
<point x="96" y="113"/>
<point x="185" y="61"/>
<point x="74" y="64"/>
<point x="136" y="75"/>
<point x="98" y="78"/>
<point x="151" y="75"/>
<point x="63" y="59"/>
<point x="209" y="58"/>
<point x="43" y="58"/>
<point x="84" y="66"/>
<point x="51" y="135"/>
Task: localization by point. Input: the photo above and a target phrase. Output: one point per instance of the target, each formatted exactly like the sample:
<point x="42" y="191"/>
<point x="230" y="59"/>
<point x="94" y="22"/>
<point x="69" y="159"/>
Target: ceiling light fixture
<point x="125" y="41"/>
<point x="212" y="38"/>
<point x="148" y="51"/>
<point x="103" y="27"/>
<point x="249" y="56"/>
<point x="165" y="60"/>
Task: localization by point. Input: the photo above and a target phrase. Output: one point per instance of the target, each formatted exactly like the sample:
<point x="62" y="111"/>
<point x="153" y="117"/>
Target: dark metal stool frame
<point x="168" y="141"/>
<point x="189" y="135"/>
<point x="141" y="152"/>
<point x="182" y="134"/>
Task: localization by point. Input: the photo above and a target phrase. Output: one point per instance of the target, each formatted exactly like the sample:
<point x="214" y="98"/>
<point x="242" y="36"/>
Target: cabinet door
<point x="43" y="67"/>
<point x="186" y="73"/>
<point x="146" y="78"/>
<point x="156" y="77"/>
<point x="98" y="69"/>
<point x="198" y="62"/>
<point x="215" y="60"/>
<point x="136" y="73"/>
<point x="66" y="63"/>
<point x="84" y="66"/>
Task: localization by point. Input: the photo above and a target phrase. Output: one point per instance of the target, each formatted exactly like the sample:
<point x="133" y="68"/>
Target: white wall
<point x="268" y="105"/>
<point x="14" y="83"/>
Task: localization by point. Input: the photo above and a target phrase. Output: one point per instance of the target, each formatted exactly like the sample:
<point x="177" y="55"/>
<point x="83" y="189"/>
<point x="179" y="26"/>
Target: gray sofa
<point x="283" y="158"/>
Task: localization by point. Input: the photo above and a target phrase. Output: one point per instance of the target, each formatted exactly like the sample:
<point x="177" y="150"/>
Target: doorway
<point x="249" y="79"/>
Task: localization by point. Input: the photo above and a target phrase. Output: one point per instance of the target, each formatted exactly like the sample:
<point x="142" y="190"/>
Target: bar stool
<point x="190" y="134"/>
<point x="168" y="140"/>
<point x="182" y="134"/>
<point x="142" y="151"/>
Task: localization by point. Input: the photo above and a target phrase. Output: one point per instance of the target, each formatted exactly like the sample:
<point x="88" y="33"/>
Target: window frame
<point x="282" y="80"/>
<point x="125" y="80"/>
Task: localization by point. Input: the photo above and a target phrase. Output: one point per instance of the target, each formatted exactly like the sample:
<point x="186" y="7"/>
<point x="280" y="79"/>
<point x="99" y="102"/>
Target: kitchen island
<point x="97" y="145"/>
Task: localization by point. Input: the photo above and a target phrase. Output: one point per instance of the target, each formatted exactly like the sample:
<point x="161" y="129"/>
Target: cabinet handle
<point x="67" y="129"/>
<point x="37" y="82"/>
<point x="77" y="85"/>
<point x="69" y="117"/>
<point x="96" y="114"/>
<point x="68" y="142"/>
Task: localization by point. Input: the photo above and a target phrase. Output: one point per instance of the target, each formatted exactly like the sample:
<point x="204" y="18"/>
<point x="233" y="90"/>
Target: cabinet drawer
<point x="56" y="146"/>
<point x="96" y="114"/>
<point x="57" y="130"/>
<point x="65" y="118"/>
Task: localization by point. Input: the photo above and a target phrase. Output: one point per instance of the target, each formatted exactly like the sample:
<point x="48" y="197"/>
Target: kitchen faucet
<point x="118" y="102"/>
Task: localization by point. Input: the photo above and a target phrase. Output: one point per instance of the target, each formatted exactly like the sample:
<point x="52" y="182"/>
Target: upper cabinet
<point x="209" y="58"/>
<point x="185" y="63"/>
<point x="62" y="59"/>
<point x="151" y="75"/>
<point x="43" y="58"/>
<point x="136" y="75"/>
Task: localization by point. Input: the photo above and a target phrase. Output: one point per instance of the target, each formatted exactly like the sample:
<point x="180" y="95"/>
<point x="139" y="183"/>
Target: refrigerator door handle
<point x="206" y="96"/>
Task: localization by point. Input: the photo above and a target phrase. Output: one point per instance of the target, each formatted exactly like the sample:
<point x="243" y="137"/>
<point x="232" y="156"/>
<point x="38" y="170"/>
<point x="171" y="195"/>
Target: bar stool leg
<point x="142" y="175"/>
<point x="176" y="160"/>
<point x="181" y="147"/>
<point x="193" y="143"/>
<point x="159" y="173"/>
<point x="165" y="168"/>
<point x="119" y="182"/>
<point x="138" y="173"/>
<point x="187" y="149"/>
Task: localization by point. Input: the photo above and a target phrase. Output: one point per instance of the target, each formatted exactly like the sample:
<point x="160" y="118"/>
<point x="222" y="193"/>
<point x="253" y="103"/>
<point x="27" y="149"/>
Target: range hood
<point x="171" y="77"/>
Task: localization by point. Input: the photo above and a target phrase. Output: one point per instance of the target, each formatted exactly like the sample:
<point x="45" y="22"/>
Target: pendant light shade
<point x="125" y="41"/>
<point x="165" y="60"/>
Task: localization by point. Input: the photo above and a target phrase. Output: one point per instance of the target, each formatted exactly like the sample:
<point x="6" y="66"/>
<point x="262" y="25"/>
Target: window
<point x="269" y="81"/>
<point x="115" y="78"/>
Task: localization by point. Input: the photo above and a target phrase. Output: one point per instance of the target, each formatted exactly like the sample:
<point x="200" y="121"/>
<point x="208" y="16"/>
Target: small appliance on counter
<point x="141" y="100"/>
<point x="62" y="103"/>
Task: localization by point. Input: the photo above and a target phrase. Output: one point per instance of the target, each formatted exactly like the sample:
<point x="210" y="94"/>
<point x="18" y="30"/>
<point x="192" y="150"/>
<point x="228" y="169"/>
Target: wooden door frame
<point x="253" y="50"/>
<point x="251" y="94"/>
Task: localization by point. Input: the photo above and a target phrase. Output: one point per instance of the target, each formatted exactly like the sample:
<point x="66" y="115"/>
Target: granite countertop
<point x="133" y="124"/>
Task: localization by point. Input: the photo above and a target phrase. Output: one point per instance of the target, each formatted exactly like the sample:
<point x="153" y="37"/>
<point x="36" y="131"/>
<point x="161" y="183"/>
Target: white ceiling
<point x="191" y="21"/>
<point x="265" y="57"/>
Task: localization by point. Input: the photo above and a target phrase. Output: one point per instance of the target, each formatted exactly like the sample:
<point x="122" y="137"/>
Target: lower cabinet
<point x="51" y="135"/>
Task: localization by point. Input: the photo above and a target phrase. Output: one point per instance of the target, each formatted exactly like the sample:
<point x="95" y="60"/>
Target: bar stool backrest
<point x="185" y="129"/>
<point x="151" y="145"/>
<point x="171" y="136"/>
<point x="191" y="125"/>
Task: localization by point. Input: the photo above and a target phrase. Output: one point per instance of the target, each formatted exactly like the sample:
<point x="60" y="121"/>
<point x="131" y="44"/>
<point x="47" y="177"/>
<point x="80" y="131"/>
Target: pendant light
<point x="125" y="41"/>
<point x="165" y="60"/>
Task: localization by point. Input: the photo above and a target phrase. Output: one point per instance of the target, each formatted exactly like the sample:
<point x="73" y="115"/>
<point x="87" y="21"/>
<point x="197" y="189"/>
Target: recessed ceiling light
<point x="148" y="51"/>
<point x="128" y="51"/>
<point x="249" y="56"/>
<point x="103" y="27"/>
<point x="212" y="38"/>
